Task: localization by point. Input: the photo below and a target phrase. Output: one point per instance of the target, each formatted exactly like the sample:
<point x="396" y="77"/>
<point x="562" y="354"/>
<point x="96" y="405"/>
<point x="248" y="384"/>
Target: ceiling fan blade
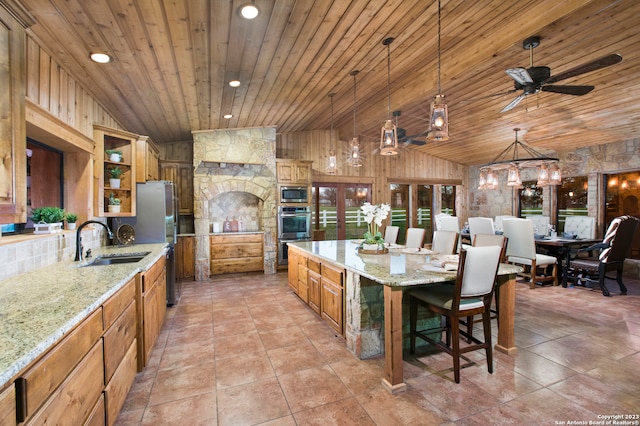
<point x="603" y="62"/>
<point x="568" y="90"/>
<point x="521" y="75"/>
<point x="513" y="103"/>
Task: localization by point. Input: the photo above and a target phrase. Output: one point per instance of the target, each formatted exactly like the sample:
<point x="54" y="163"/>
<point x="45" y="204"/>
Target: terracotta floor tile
<point x="252" y="403"/>
<point x="290" y="359"/>
<point x="312" y="387"/>
<point x="281" y="337"/>
<point x="597" y="397"/>
<point x="192" y="353"/>
<point x="539" y="369"/>
<point x="238" y="344"/>
<point x="346" y="412"/>
<point x="360" y="376"/>
<point x="231" y="328"/>
<point x="242" y="369"/>
<point x="400" y="409"/>
<point x="199" y="410"/>
<point x="179" y="383"/>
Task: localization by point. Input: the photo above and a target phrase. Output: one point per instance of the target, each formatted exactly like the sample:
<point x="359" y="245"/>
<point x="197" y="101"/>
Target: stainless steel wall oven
<point x="294" y="224"/>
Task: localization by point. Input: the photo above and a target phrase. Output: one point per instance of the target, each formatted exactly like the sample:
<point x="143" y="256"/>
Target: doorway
<point x="336" y="209"/>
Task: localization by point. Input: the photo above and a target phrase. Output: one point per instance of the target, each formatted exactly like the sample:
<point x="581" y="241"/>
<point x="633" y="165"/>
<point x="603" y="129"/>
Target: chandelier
<point x="516" y="157"/>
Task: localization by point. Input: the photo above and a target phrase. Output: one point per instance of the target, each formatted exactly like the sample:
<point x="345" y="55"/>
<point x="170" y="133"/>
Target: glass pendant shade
<point x="439" y="122"/>
<point x="492" y="180"/>
<point x="389" y="139"/>
<point x="332" y="162"/>
<point x="543" y="176"/>
<point x="513" y="177"/>
<point x="355" y="160"/>
<point x="482" y="180"/>
<point x="555" y="177"/>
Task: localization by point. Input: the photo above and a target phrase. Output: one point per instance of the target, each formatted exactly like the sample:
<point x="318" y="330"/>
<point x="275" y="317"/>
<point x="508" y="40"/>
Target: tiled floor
<point x="243" y="350"/>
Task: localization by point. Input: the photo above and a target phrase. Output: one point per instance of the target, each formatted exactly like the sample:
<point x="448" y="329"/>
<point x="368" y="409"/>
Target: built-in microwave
<point x="294" y="194"/>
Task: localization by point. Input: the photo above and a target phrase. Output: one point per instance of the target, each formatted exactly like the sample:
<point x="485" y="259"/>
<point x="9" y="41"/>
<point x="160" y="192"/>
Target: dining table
<point x="561" y="248"/>
<point x="398" y="270"/>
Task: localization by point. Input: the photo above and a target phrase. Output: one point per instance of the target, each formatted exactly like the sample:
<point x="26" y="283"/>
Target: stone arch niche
<point x="234" y="172"/>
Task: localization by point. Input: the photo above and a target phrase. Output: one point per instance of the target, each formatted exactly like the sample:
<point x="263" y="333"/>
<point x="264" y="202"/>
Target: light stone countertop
<point x="39" y="308"/>
<point x="400" y="267"/>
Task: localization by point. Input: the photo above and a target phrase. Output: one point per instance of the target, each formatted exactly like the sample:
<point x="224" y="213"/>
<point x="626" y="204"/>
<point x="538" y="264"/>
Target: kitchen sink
<point x="114" y="259"/>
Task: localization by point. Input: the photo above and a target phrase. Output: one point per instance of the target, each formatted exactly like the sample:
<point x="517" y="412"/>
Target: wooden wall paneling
<point x="44" y="79"/>
<point x="33" y="71"/>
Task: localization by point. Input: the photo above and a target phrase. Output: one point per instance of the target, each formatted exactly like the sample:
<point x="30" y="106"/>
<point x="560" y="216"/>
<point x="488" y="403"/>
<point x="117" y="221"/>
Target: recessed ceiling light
<point x="101" y="58"/>
<point x="234" y="83"/>
<point x="227" y="116"/>
<point x="249" y="11"/>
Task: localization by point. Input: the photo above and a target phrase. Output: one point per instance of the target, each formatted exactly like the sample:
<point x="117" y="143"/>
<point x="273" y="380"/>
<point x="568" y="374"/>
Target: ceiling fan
<point x="405" y="139"/>
<point x="538" y="78"/>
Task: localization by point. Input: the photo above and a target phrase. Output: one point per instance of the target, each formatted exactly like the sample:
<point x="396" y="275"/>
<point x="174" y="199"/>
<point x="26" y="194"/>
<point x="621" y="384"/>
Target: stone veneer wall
<point x="251" y="153"/>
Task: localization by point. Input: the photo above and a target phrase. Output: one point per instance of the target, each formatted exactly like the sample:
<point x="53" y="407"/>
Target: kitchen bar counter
<point x="396" y="271"/>
<point x="39" y="308"/>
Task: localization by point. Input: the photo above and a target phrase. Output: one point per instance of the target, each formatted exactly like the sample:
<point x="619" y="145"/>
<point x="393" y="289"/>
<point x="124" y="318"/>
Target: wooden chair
<point x="614" y="250"/>
<point x="471" y="295"/>
<point x="445" y="242"/>
<point x="415" y="237"/>
<point x="391" y="234"/>
<point x="521" y="250"/>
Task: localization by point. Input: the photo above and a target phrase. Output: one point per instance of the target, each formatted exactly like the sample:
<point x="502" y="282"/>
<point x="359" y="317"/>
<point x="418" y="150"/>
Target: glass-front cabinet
<point x="114" y="172"/>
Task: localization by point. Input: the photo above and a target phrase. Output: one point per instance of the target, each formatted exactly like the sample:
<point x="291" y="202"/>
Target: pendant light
<point x="439" y="120"/>
<point x="389" y="133"/>
<point x="332" y="164"/>
<point x="355" y="159"/>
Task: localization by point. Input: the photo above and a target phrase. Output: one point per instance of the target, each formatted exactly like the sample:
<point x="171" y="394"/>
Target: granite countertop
<point x="400" y="267"/>
<point x="236" y="233"/>
<point x="38" y="308"/>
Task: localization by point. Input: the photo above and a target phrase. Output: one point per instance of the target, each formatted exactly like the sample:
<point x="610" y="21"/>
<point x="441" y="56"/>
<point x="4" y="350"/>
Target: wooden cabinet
<point x="181" y="174"/>
<point x="186" y="258"/>
<point x="293" y="171"/>
<point x="8" y="406"/>
<point x="147" y="160"/>
<point x="333" y="296"/>
<point x="320" y="285"/>
<point x="13" y="140"/>
<point x="151" y="293"/>
<point x="314" y="285"/>
<point x="65" y="386"/>
<point x="236" y="253"/>
<point x="110" y="139"/>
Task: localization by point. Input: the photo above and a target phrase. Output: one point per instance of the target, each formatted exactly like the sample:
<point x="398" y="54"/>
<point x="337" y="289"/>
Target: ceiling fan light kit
<point x="439" y="118"/>
<point x="389" y="132"/>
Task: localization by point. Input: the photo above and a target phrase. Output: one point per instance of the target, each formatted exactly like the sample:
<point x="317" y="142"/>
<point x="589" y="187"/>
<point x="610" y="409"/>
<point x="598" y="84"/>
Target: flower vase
<point x="374" y="248"/>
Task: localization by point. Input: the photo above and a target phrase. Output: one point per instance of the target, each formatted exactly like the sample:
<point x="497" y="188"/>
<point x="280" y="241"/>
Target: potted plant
<point x="47" y="220"/>
<point x="114" y="174"/>
<point x="114" y="203"/>
<point x="71" y="219"/>
<point x="114" y="155"/>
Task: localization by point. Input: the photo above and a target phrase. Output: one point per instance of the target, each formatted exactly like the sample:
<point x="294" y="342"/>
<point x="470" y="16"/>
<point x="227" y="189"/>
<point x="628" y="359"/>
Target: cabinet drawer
<point x="116" y="391"/>
<point x="8" y="406"/>
<point x="332" y="274"/>
<point x="313" y="265"/>
<point x="47" y="374"/>
<point x="97" y="416"/>
<point x="74" y="400"/>
<point x="234" y="238"/>
<point x="237" y="250"/>
<point x="117" y="303"/>
<point x="117" y="340"/>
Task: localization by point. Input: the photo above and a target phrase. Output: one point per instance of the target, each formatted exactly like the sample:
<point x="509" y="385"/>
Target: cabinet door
<point x="303" y="173"/>
<point x="13" y="140"/>
<point x="315" y="290"/>
<point x="333" y="296"/>
<point x="285" y="172"/>
<point x="292" y="271"/>
<point x="8" y="406"/>
<point x="185" y="258"/>
<point x="185" y="188"/>
<point x="150" y="326"/>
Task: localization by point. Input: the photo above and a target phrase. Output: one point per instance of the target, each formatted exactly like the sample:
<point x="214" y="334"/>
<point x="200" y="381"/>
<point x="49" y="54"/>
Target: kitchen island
<point x="72" y="305"/>
<point x="367" y="275"/>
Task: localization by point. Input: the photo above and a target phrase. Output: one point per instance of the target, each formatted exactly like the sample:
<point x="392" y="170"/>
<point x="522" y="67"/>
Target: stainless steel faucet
<point x="79" y="237"/>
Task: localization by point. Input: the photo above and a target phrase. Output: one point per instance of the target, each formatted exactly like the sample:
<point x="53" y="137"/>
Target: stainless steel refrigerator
<point x="156" y="222"/>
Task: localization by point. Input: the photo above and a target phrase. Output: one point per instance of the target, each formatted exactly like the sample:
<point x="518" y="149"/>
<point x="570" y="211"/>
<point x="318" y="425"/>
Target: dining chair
<point x="445" y="242"/>
<point x="391" y="234"/>
<point x="481" y="225"/>
<point x="415" y="237"/>
<point x="437" y="219"/>
<point x="521" y="250"/>
<point x="614" y="250"/>
<point x="484" y="240"/>
<point x="540" y="224"/>
<point x="449" y="223"/>
<point x="580" y="226"/>
<point x="497" y="221"/>
<point x="471" y="295"/>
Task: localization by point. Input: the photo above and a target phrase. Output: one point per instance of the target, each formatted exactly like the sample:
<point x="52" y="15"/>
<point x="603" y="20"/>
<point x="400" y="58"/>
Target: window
<point x="621" y="196"/>
<point x="572" y="199"/>
<point x="448" y="193"/>
<point x="530" y="197"/>
<point x="336" y="209"/>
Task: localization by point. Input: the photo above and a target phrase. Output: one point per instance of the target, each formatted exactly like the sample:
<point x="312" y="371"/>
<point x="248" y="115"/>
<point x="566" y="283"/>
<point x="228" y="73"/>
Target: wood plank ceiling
<point x="173" y="60"/>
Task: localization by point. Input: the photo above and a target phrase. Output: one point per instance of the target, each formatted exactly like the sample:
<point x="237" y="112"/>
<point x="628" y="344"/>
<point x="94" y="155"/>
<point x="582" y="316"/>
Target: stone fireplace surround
<point x="230" y="164"/>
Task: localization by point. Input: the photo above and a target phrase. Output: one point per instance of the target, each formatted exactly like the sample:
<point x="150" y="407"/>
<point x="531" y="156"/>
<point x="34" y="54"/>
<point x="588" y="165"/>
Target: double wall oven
<point x="294" y="224"/>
